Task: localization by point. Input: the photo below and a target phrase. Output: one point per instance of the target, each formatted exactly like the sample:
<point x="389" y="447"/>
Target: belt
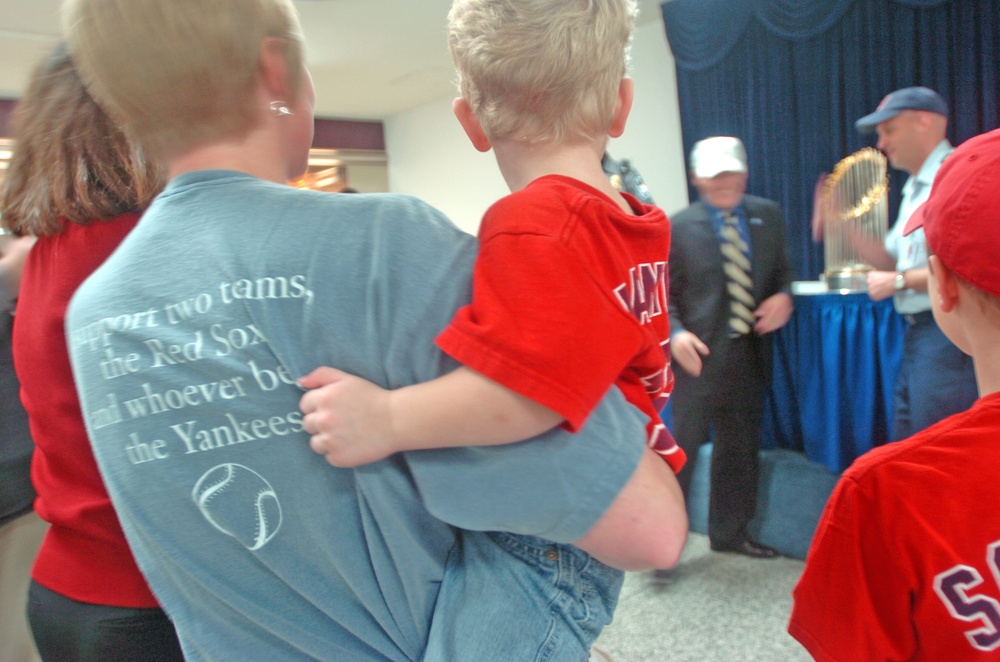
<point x="918" y="319"/>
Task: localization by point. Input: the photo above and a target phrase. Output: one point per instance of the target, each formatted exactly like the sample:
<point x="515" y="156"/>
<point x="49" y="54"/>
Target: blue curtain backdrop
<point x="789" y="77"/>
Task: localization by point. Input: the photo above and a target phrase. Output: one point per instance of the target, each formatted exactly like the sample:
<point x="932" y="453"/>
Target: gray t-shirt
<point x="186" y="345"/>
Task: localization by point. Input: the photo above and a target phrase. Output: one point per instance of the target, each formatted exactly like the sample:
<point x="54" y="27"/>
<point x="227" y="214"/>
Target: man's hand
<point x="822" y="208"/>
<point x="348" y="417"/>
<point x="881" y="284"/>
<point x="687" y="350"/>
<point x="773" y="313"/>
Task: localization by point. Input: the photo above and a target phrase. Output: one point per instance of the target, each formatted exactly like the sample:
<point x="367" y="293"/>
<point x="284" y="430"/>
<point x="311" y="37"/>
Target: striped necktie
<point x="736" y="263"/>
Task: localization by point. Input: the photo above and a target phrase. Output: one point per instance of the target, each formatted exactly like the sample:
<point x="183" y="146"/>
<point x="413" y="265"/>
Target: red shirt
<point x="905" y="564"/>
<point x="84" y="555"/>
<point x="569" y="296"/>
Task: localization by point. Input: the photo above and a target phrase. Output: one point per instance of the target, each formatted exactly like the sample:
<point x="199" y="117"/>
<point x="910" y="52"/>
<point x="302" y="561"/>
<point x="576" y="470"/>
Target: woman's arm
<point x="12" y="256"/>
<point x="646" y="526"/>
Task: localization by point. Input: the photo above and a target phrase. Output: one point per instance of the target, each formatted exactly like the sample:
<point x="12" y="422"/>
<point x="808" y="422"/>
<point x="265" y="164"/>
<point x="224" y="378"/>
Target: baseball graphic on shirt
<point x="239" y="502"/>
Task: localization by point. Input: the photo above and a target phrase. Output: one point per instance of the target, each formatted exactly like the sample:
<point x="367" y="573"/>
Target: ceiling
<point x="370" y="59"/>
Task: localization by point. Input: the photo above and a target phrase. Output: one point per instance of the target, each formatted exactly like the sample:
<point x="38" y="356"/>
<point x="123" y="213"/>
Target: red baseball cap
<point x="961" y="218"/>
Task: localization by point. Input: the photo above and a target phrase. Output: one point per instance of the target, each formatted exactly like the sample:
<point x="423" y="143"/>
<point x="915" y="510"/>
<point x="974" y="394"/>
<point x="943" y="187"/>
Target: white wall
<point x="430" y="157"/>
<point x="652" y="138"/>
<point x="365" y="178"/>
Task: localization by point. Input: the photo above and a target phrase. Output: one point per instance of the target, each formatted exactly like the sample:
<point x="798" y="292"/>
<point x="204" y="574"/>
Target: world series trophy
<point x="854" y="204"/>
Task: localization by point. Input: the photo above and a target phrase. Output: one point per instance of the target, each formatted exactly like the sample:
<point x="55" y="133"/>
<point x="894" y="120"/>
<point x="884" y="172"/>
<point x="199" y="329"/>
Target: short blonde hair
<point x="177" y="73"/>
<point x="538" y="70"/>
<point x="70" y="161"/>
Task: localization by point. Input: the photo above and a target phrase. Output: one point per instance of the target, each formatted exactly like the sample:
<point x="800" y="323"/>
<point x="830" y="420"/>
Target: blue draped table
<point x="835" y="366"/>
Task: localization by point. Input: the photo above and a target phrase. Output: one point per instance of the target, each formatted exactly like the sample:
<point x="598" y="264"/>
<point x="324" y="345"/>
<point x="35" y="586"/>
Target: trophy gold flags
<point x="854" y="204"/>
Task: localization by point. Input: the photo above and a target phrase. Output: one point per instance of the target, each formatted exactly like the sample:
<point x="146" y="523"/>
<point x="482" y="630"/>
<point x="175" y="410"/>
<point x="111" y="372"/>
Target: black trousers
<point x="66" y="630"/>
<point x="729" y="412"/>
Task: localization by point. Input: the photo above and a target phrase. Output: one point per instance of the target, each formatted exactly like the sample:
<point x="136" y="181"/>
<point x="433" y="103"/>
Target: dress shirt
<point x="910" y="252"/>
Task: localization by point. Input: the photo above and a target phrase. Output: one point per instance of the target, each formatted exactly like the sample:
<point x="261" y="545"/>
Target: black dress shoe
<point x="747" y="548"/>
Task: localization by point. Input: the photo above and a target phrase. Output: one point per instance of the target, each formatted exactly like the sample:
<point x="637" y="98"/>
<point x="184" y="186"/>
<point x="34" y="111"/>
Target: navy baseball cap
<point x="908" y="98"/>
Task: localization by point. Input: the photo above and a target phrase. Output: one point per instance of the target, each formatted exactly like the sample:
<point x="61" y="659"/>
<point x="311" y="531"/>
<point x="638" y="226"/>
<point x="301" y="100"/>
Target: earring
<point x="280" y="109"/>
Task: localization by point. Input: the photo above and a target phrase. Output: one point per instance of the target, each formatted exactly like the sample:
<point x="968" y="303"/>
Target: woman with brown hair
<point x="77" y="183"/>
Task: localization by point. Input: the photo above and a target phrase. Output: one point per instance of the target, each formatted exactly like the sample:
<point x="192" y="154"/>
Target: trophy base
<point x="846" y="282"/>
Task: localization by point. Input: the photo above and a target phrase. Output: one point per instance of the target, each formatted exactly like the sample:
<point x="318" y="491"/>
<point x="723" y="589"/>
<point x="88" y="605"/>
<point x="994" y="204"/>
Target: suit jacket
<point x="699" y="301"/>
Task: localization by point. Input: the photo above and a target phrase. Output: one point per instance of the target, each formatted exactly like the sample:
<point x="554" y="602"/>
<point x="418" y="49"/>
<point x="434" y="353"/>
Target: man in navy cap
<point x="935" y="378"/>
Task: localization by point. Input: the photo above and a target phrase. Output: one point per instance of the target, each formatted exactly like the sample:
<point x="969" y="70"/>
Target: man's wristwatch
<point x="900" y="281"/>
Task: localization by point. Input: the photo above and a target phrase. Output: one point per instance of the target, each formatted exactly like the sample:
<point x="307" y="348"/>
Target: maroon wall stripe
<point x="329" y="134"/>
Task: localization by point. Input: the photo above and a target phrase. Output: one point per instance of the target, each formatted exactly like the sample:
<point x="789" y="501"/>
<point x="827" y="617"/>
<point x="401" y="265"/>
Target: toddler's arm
<point x="355" y="422"/>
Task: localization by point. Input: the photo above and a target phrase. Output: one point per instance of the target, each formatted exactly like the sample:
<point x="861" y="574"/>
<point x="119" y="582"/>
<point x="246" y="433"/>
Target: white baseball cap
<point x="718" y="154"/>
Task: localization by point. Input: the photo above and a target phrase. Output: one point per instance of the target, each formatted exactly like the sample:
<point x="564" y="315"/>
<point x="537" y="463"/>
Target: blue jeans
<point x="512" y="597"/>
<point x="936" y="379"/>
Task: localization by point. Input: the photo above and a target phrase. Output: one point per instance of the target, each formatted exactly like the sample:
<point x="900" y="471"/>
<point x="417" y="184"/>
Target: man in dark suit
<point x="730" y="284"/>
